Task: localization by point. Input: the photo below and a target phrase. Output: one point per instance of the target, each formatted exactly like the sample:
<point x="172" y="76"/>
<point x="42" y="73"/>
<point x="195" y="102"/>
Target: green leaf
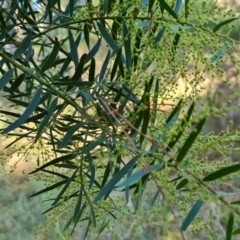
<point x="104" y="66"/>
<point x="86" y="34"/>
<point x="146" y="112"/>
<point x="70" y="133"/>
<point x="150" y="5"/>
<point x="155" y="197"/>
<point x="55" y="161"/>
<point x="108" y="38"/>
<point x="72" y="83"/>
<point x="56" y="185"/>
<point x="30" y="109"/>
<point x="79" y="204"/>
<point x="92" y="169"/>
<point x="71" y="7"/>
<point x="93" y="51"/>
<point x="64" y="189"/>
<point x="137" y="46"/>
<point x="23" y="46"/>
<point x="5" y="78"/>
<point x="116" y="64"/>
<point x="190" y="140"/>
<point x="236" y="202"/>
<point x="17" y="82"/>
<point x="186" y="8"/>
<point x="168" y="8"/>
<point x="2" y="21"/>
<point x="91" y="75"/>
<point x="182" y="183"/>
<point x="116" y="178"/>
<point x="177" y="6"/>
<point x="127" y="46"/>
<point x="230" y="227"/>
<point x="52" y="57"/>
<point x="191" y="215"/>
<point x="139" y="174"/>
<point x="219" y="54"/>
<point x="222" y="172"/>
<point x="105" y="7"/>
<point x="221" y="24"/>
<point x="78" y="216"/>
<point x="159" y="35"/>
<point x="93" y="144"/>
<point x="236" y="231"/>
<point x="73" y="48"/>
<point x="79" y="70"/>
<point x="47" y="117"/>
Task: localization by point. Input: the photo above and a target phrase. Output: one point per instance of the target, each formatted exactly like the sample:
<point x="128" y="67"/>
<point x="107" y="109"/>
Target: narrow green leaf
<point x="146" y="113"/>
<point x="30" y="109"/>
<point x="47" y="117"/>
<point x="93" y="144"/>
<point x="222" y="172"/>
<point x="186" y="8"/>
<point x="93" y="51"/>
<point x="23" y="46"/>
<point x="127" y="46"/>
<point x="191" y="215"/>
<point x="78" y="206"/>
<point x="92" y="169"/>
<point x="70" y="133"/>
<point x="52" y="57"/>
<point x="93" y="214"/>
<point x="150" y="5"/>
<point x="219" y="54"/>
<point x="236" y="231"/>
<point x="64" y="189"/>
<point x="174" y="112"/>
<point x="115" y="179"/>
<point x="190" y="140"/>
<point x="137" y="46"/>
<point x="116" y="64"/>
<point x="79" y="70"/>
<point x="177" y="6"/>
<point x="56" y="160"/>
<point x="105" y="7"/>
<point x="86" y="35"/>
<point x="73" y="48"/>
<point x="5" y="78"/>
<point x="182" y="183"/>
<point x="2" y="21"/>
<point x="72" y="83"/>
<point x="78" y="216"/>
<point x="91" y="75"/>
<point x="221" y="24"/>
<point x="168" y="8"/>
<point x="64" y="165"/>
<point x="159" y="36"/>
<point x="104" y="66"/>
<point x="230" y="227"/>
<point x="181" y="129"/>
<point x="17" y="82"/>
<point x="108" y="38"/>
<point x="139" y="174"/>
<point x="155" y="197"/>
<point x="71" y="7"/>
<point x="236" y="202"/>
<point x="54" y="186"/>
<point x="107" y="173"/>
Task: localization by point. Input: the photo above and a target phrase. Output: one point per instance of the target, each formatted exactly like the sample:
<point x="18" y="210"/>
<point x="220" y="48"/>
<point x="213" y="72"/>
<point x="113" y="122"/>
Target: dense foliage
<point x="108" y="95"/>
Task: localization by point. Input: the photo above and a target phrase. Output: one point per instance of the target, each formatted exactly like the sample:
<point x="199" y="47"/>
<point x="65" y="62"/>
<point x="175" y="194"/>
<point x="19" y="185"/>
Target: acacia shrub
<point x="110" y="141"/>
